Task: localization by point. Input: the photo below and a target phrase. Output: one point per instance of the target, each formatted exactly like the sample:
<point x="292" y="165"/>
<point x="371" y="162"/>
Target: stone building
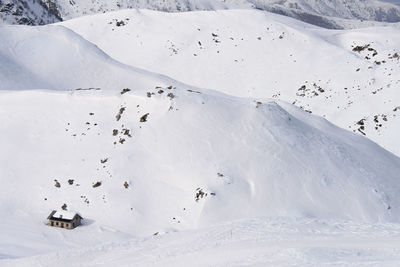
<point x="64" y="219"/>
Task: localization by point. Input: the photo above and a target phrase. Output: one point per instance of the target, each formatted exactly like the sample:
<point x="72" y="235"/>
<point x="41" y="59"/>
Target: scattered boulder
<point x="120" y="23"/>
<point x="360" y="48"/>
<point x="57" y="184"/>
<point x="395" y="55"/>
<point x="121" y="111"/>
<point x="125" y="90"/>
<point x="144" y="117"/>
<point x="126" y="132"/>
<point x="71" y="181"/>
<point x="97" y="184"/>
<point x="199" y="194"/>
<point x="361" y="122"/>
<point x="64" y="207"/>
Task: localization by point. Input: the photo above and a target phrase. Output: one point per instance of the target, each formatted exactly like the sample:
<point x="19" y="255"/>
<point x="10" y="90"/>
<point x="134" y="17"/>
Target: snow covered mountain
<point x="139" y="154"/>
<point x="325" y="13"/>
<point x="352" y="78"/>
<point x="165" y="173"/>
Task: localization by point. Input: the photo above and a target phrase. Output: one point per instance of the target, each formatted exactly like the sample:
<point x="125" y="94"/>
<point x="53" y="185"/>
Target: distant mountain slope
<point x="350" y="77"/>
<point x="324" y="13"/>
<point x="29" y="12"/>
<point x="78" y="8"/>
<point x="144" y="154"/>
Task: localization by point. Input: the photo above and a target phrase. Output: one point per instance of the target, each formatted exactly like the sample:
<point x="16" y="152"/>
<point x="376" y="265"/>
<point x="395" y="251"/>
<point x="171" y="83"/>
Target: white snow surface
<point x="248" y="242"/>
<point x="64" y="214"/>
<point x="262" y="55"/>
<point x="54" y="57"/>
<point x="169" y="174"/>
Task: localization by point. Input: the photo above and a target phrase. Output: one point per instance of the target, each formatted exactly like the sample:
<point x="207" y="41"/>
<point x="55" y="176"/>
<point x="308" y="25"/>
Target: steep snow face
<point x="350" y="77"/>
<point x="27" y="12"/>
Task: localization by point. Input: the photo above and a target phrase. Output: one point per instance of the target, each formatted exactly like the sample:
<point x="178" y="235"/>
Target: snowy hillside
<point x="54" y="57"/>
<point x="352" y="78"/>
<point x="138" y="154"/>
<point x="324" y="13"/>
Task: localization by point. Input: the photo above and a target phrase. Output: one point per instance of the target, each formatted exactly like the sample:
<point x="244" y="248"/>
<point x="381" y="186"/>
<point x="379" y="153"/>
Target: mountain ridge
<point x="327" y="14"/>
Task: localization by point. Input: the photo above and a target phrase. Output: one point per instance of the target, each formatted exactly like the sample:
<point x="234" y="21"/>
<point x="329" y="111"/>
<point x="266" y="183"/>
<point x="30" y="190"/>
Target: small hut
<point x="64" y="219"/>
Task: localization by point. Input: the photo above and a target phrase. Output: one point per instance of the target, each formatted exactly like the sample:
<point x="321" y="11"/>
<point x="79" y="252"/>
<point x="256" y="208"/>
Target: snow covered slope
<point x="350" y="77"/>
<point x="197" y="158"/>
<point x="137" y="153"/>
<point x="54" y="57"/>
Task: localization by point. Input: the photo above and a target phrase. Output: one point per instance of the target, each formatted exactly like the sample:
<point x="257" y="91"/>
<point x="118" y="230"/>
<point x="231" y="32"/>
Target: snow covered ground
<point x="249" y="242"/>
<point x="352" y="77"/>
<point x="165" y="173"/>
